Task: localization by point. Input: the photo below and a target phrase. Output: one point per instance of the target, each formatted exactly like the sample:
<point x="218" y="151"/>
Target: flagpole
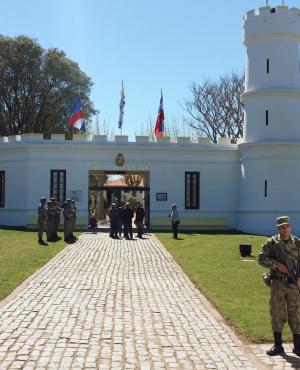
<point x="78" y="92"/>
<point x="122" y="108"/>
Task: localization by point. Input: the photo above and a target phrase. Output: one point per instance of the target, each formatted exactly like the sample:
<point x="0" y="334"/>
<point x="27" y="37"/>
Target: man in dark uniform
<point x="281" y="253"/>
<point x="128" y="214"/>
<point x="120" y="209"/>
<point x="139" y="220"/>
<point x="114" y="220"/>
<point x="42" y="218"/>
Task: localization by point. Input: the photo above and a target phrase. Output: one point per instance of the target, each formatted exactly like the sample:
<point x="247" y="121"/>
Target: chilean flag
<point x="159" y="126"/>
<point x="76" y="118"/>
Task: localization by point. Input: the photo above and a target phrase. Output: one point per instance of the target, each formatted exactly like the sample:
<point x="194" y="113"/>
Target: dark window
<point x="266" y="188"/>
<point x="268" y="66"/>
<point x="192" y="190"/>
<point x="58" y="185"/>
<point x="267" y="117"/>
<point x="2" y="188"/>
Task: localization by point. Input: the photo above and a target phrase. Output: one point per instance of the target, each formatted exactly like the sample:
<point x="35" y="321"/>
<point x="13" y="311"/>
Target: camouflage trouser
<point x="50" y="229"/>
<point x="68" y="228"/>
<point x="284" y="305"/>
<point x="41" y="227"/>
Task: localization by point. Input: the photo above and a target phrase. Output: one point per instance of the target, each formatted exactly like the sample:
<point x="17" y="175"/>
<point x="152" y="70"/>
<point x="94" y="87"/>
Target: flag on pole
<point x="122" y="106"/>
<point x="159" y="126"/>
<point x="76" y="118"/>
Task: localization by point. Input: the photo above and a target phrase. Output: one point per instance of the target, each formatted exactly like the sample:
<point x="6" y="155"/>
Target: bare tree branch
<point x="216" y="108"/>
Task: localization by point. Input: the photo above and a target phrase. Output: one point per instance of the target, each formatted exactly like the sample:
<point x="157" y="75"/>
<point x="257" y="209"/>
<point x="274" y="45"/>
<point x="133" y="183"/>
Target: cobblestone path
<point x="116" y="304"/>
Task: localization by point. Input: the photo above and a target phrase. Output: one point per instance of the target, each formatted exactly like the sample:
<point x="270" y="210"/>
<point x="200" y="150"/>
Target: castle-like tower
<point x="270" y="153"/>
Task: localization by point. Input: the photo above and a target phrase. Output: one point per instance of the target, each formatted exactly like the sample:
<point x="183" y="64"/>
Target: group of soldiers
<point x="49" y="219"/>
<point x="120" y="217"/>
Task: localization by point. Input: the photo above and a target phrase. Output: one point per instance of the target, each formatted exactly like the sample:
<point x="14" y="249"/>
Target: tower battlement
<point x="267" y="10"/>
<point x="267" y="21"/>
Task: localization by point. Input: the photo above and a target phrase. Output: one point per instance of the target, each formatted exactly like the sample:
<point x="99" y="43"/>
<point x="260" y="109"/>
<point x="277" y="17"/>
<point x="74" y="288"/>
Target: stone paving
<point x="117" y="304"/>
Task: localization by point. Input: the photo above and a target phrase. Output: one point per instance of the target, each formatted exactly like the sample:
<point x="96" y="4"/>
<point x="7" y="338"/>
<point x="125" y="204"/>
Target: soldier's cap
<point x="68" y="200"/>
<point x="283" y="220"/>
<point x="43" y="199"/>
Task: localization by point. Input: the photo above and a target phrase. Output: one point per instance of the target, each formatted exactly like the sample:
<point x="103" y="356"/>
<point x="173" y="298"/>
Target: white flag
<point x="122" y="106"/>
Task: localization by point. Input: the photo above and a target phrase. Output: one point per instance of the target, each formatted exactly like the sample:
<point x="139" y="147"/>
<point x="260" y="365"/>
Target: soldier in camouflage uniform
<point x="68" y="220"/>
<point x="74" y="210"/>
<point x="56" y="218"/>
<point x="50" y="221"/>
<point x="42" y="217"/>
<point x="277" y="253"/>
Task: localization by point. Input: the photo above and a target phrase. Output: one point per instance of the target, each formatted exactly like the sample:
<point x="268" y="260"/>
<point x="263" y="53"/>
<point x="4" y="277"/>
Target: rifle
<point x="291" y="270"/>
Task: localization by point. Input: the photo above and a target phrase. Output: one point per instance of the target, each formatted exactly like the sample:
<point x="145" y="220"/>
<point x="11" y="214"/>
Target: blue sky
<point x="148" y="44"/>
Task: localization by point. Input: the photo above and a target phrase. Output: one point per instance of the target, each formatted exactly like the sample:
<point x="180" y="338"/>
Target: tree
<point x="133" y="180"/>
<point x="38" y="87"/>
<point x="216" y="108"/>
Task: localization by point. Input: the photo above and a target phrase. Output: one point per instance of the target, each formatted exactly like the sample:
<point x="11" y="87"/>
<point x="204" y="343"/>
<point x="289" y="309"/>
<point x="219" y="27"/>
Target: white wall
<point x="283" y="122"/>
<point x="279" y="164"/>
<point x="218" y="165"/>
<point x="14" y="163"/>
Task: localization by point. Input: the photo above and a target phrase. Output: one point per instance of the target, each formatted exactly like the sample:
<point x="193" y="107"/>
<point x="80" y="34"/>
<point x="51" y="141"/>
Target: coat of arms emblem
<point x="120" y="160"/>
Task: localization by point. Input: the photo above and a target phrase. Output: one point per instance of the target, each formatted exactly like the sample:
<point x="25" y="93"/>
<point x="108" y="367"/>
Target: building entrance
<point x="120" y="187"/>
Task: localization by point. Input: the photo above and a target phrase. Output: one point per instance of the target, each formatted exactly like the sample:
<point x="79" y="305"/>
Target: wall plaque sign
<point x="161" y="197"/>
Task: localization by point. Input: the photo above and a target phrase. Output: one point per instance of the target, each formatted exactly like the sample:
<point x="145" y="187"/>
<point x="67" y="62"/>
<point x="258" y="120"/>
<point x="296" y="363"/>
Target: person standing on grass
<point x="42" y="219"/>
<point x="175" y="219"/>
<point x="68" y="222"/>
<point x="281" y="253"/>
<point x="50" y="221"/>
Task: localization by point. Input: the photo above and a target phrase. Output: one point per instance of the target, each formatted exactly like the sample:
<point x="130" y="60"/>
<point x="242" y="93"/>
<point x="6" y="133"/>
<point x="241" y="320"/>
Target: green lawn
<point x="234" y="285"/>
<point x="21" y="256"/>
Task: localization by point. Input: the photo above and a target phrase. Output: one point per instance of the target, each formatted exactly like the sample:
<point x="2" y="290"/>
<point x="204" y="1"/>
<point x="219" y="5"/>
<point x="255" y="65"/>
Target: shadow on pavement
<point x="293" y="360"/>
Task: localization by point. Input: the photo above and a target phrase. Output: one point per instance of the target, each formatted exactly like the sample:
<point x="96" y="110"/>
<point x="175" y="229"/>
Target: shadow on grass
<point x="207" y="232"/>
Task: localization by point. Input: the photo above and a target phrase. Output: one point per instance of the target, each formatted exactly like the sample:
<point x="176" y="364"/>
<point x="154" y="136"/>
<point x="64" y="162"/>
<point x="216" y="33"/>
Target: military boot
<point x="277" y="349"/>
<point x="296" y="349"/>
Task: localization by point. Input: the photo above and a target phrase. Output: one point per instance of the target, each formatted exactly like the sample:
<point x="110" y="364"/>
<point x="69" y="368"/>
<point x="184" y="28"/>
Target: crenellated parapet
<point x="56" y="139"/>
<point x="267" y="22"/>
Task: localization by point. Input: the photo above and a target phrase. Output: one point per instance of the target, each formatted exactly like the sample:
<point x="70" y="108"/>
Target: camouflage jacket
<point x="68" y="213"/>
<point x="276" y="250"/>
<point x="42" y="212"/>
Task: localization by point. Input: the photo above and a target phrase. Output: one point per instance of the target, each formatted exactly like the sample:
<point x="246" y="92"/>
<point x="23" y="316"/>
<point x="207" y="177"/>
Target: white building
<point x="241" y="186"/>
